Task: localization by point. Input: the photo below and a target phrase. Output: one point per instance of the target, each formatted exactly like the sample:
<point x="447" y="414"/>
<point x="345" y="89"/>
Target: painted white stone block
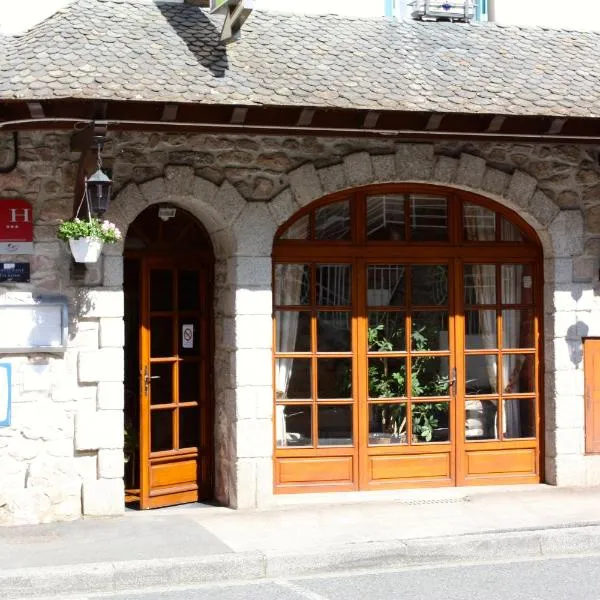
<point x="112" y="333"/>
<point x="253" y="272"/>
<point x="254" y="438"/>
<point x="101" y="365"/>
<point x="96" y="303"/>
<point x="250" y="301"/>
<point x="254" y="331"/>
<point x="103" y="498"/>
<point x="570" y="470"/>
<point x="253" y="367"/>
<point x="245" y="474"/>
<point x="110" y="464"/>
<point x="565" y="441"/>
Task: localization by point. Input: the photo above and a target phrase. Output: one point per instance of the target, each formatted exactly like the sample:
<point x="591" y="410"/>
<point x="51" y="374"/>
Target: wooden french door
<point x="175" y="382"/>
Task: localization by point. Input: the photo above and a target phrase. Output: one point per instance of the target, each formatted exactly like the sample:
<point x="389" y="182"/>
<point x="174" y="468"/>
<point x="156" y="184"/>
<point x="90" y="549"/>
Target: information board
<point x="33" y="327"/>
<point x="5" y="394"/>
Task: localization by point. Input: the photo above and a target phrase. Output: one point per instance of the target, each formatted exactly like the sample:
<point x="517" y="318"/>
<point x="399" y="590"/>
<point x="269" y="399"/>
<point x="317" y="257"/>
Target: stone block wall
<point x="62" y="456"/>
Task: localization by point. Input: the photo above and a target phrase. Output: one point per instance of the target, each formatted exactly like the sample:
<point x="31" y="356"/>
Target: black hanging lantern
<point x="98" y="187"/>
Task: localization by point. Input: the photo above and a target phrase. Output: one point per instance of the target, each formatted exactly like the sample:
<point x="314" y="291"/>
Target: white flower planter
<point x="86" y="250"/>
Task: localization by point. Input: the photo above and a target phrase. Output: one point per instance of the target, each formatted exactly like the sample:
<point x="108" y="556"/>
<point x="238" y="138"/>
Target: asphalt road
<point x="547" y="579"/>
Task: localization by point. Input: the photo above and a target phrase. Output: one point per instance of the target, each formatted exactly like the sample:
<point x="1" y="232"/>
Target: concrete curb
<point x="70" y="580"/>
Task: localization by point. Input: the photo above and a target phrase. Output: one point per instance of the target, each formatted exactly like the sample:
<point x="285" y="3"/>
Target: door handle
<point x="148" y="378"/>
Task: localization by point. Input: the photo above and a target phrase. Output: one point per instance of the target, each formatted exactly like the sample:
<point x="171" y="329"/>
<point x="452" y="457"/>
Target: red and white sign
<point x="16" y="226"/>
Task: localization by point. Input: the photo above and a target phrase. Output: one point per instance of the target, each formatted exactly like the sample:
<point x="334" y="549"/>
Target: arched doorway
<point x="407" y="324"/>
<point x="168" y="281"/>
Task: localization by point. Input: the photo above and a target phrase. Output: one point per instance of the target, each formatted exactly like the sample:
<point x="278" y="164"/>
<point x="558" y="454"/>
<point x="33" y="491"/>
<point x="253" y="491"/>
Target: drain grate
<point x="434" y="501"/>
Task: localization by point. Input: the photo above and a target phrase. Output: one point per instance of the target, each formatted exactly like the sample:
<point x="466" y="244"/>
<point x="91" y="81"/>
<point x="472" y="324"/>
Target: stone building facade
<point x="62" y="456"/>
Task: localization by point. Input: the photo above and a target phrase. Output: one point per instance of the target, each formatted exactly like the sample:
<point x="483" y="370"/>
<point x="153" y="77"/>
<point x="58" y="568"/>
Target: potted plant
<point x="86" y="237"/>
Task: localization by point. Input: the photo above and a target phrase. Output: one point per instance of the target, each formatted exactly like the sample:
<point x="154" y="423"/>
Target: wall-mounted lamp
<point x="98" y="185"/>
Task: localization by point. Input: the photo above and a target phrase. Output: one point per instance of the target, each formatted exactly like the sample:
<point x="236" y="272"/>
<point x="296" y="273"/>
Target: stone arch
<point x="561" y="232"/>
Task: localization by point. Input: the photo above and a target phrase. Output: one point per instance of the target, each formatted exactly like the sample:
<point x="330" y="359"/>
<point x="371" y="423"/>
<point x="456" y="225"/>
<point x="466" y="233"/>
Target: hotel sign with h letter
<point x="16" y="226"/>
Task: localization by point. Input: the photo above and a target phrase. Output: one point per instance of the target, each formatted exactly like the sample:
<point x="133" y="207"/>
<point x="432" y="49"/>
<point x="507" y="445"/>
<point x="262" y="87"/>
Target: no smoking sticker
<point x="187" y="336"/>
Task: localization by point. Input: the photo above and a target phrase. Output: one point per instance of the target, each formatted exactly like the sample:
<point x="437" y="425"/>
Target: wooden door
<point x="175" y="382"/>
<point x="591" y="353"/>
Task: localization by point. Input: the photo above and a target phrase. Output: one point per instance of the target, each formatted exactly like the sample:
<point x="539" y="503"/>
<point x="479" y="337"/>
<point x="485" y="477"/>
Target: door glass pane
<point x="188" y="290"/>
<point x="429" y="285"/>
<point x="386" y="285"/>
<point x="387" y="331"/>
<point x="481" y="420"/>
<point x="335" y="425"/>
<point x="161" y="337"/>
<point x="387" y="377"/>
<point x="430" y="422"/>
<point x="292" y="379"/>
<point x="334" y="378"/>
<point x="517" y="329"/>
<point x="293" y="425"/>
<point x="479" y="223"/>
<point x="189" y="336"/>
<point x="189" y="427"/>
<point x="518" y="419"/>
<point x="480" y="329"/>
<point x="333" y="285"/>
<point x="518" y="373"/>
<point x="332" y="222"/>
<point x="292" y="284"/>
<point x="161" y="290"/>
<point x="482" y="374"/>
<point x="480" y="284"/>
<point x="429" y="331"/>
<point x="334" y="332"/>
<point x="161" y="430"/>
<point x="428" y="218"/>
<point x="510" y="232"/>
<point x="298" y="230"/>
<point x="189" y="382"/>
<point x="292" y="331"/>
<point x="429" y="376"/>
<point x="385" y="218"/>
<point x="517" y="284"/>
<point x="161" y="384"/>
<point x="387" y="424"/>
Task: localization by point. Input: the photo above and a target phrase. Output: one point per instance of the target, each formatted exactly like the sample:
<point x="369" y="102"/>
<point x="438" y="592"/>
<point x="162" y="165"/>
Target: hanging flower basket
<point x="86" y="237"/>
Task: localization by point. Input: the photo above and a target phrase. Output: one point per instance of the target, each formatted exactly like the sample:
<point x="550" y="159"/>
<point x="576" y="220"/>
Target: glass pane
<point x="292" y="284"/>
<point x="298" y="230"/>
<point x="292" y="379"/>
<point x="189" y="427"/>
<point x="386" y="285"/>
<point x="481" y="422"/>
<point x="429" y="331"/>
<point x="335" y="425"/>
<point x="161" y="430"/>
<point x="387" y="332"/>
<point x="385" y="218"/>
<point x="334" y="331"/>
<point x="189" y="290"/>
<point x="293" y="426"/>
<point x="429" y="285"/>
<point x="161" y="337"/>
<point x="428" y="218"/>
<point x="335" y="378"/>
<point x="518" y="420"/>
<point x="517" y="284"/>
<point x="387" y="424"/>
<point x="189" y="382"/>
<point x="333" y="285"/>
<point x="510" y="232"/>
<point x="518" y="373"/>
<point x="161" y="384"/>
<point x="482" y="374"/>
<point x="479" y="223"/>
<point x="429" y="376"/>
<point x="161" y="290"/>
<point x="517" y="329"/>
<point x="332" y="222"/>
<point x="430" y="422"/>
<point x="292" y="331"/>
<point x="481" y="329"/>
<point x="387" y="377"/>
<point x="189" y="336"/>
<point x="480" y="284"/>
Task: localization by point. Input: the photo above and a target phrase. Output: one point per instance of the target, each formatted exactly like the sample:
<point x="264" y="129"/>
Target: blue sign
<point x="5" y="397"/>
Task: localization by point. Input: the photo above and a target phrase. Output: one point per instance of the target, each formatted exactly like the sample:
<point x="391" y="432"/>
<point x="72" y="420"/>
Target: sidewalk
<point x="192" y="544"/>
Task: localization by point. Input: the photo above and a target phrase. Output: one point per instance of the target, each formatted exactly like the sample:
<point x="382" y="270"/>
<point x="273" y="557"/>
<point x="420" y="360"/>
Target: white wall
<point x="361" y="8"/>
<point x="582" y="14"/>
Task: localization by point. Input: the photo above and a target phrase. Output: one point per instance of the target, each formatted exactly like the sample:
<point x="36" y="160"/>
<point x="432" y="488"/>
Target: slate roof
<point x="124" y="49"/>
